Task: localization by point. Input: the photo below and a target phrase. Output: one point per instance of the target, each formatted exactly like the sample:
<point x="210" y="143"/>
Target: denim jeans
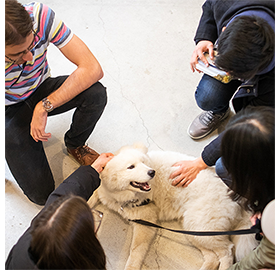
<point x="222" y="172"/>
<point x="25" y="157"/>
<point x="213" y="95"/>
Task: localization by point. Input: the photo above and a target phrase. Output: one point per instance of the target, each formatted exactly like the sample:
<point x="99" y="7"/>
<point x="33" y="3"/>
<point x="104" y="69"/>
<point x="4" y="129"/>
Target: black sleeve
<point x="83" y="182"/>
<point x="207" y="29"/>
<point x="212" y="152"/>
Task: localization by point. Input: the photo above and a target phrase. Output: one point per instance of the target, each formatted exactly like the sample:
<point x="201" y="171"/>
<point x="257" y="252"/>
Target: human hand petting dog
<point x="187" y="172"/>
<point x="101" y="161"/>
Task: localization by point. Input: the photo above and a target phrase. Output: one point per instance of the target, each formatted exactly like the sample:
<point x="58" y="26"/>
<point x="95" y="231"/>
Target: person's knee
<point x="222" y="172"/>
<point x="39" y="196"/>
<point x="203" y="102"/>
<point x="205" y="96"/>
<point x="96" y="95"/>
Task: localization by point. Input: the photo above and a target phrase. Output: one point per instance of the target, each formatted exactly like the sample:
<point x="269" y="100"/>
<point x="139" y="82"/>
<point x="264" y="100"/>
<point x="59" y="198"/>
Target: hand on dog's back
<point x="187" y="172"/>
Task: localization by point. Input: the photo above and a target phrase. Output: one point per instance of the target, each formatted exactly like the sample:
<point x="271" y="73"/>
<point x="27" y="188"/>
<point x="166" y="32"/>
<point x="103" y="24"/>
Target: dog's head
<point x="128" y="170"/>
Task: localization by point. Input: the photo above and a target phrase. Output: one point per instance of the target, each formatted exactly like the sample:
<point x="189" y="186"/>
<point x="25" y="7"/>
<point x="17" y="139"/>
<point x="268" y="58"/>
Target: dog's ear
<point x="141" y="147"/>
<point x="126" y="147"/>
<point x="107" y="176"/>
<point x="138" y="146"/>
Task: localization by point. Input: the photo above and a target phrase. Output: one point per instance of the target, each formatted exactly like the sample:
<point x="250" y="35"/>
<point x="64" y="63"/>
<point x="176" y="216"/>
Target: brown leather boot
<point x="84" y="155"/>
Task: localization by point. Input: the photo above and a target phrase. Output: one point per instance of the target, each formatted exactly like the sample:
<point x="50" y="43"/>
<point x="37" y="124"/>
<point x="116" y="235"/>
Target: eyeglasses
<point x="97" y="215"/>
<point x="35" y="42"/>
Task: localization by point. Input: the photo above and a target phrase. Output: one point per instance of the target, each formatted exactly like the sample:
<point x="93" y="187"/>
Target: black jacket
<point x="217" y="13"/>
<point x="83" y="182"/>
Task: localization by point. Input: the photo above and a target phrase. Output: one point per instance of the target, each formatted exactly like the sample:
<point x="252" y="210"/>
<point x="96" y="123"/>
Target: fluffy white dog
<point x="137" y="186"/>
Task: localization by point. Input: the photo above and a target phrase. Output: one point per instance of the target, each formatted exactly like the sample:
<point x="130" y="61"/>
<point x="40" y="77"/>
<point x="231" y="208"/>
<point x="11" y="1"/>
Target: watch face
<point x="47" y="105"/>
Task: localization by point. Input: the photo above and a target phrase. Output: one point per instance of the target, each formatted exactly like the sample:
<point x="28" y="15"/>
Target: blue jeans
<point x="222" y="172"/>
<point x="213" y="95"/>
<point x="25" y="157"/>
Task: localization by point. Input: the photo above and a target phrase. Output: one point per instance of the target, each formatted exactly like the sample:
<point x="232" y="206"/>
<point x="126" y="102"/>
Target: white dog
<point x="137" y="186"/>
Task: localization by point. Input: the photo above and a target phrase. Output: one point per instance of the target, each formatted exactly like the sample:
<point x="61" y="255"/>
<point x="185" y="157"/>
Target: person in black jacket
<point x="247" y="153"/>
<point x="243" y="33"/>
<point x="62" y="235"/>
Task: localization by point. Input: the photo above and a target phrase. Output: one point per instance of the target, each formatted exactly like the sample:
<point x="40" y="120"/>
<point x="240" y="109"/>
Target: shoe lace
<point x="209" y="118"/>
<point x="82" y="151"/>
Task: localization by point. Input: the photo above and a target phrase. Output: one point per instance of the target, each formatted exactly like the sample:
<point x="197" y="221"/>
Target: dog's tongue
<point x="145" y="186"/>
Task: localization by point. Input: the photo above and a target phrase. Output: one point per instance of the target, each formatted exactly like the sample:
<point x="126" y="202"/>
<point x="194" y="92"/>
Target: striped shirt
<point x="21" y="83"/>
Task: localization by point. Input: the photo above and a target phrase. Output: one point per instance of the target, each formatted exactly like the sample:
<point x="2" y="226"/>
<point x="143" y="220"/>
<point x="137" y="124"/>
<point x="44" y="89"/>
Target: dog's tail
<point x="244" y="244"/>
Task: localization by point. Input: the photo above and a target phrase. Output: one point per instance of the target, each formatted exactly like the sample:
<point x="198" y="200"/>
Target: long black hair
<point x="247" y="151"/>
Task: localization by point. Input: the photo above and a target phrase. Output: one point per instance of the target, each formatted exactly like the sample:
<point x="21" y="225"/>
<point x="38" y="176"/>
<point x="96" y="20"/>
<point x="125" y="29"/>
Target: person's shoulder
<point x="38" y="11"/>
<point x="18" y="257"/>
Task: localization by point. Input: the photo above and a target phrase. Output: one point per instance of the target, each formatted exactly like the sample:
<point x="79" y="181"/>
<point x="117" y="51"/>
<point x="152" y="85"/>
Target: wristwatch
<point x="47" y="105"/>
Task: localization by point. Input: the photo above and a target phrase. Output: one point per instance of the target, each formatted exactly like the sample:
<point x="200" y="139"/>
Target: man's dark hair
<point x="245" y="47"/>
<point x="18" y="23"/>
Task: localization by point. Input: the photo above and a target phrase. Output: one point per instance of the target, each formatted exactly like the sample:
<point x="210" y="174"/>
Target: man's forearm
<point x="87" y="73"/>
<point x="76" y="83"/>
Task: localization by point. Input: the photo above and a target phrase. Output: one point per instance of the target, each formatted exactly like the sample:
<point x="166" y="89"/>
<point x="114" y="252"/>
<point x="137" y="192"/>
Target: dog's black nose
<point x="151" y="173"/>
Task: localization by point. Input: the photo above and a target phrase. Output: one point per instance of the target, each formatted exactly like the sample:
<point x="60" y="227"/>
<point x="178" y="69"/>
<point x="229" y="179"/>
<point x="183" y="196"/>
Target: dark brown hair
<point x="18" y="23"/>
<point x="246" y="47"/>
<point x="63" y="237"/>
<point x="247" y="151"/>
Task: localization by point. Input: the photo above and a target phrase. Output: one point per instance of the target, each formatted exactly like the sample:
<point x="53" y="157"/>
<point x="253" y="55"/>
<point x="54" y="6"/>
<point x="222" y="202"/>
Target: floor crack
<point x="148" y="139"/>
<point x="156" y="246"/>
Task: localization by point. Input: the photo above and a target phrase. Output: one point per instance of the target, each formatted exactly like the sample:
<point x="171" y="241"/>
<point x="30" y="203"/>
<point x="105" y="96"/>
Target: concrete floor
<point x="144" y="47"/>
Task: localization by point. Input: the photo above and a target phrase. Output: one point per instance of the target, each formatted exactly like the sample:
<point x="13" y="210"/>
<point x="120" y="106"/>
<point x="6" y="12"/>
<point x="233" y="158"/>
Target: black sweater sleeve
<point x="207" y="29"/>
<point x="83" y="182"/>
<point x="212" y="152"/>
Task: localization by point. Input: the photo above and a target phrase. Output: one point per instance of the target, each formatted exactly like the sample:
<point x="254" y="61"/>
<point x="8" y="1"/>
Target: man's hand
<point x="38" y="123"/>
<point x="101" y="161"/>
<point x="202" y="47"/>
<point x="187" y="172"/>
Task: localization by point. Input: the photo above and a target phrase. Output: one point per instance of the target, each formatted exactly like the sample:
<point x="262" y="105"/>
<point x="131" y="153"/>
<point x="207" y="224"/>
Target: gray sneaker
<point x="205" y="123"/>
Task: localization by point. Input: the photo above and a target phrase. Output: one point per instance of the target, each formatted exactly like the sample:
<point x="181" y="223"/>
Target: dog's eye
<point x="131" y="167"/>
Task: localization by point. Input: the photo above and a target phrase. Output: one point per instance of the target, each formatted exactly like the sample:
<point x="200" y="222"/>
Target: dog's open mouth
<point x="144" y="186"/>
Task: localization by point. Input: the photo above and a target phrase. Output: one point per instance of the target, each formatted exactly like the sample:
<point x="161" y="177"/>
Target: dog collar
<point x="134" y="203"/>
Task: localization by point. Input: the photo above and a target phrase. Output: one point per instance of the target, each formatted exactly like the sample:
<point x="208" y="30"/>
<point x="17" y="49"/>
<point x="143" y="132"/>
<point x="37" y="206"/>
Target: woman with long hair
<point x="63" y="234"/>
<point x="247" y="153"/>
